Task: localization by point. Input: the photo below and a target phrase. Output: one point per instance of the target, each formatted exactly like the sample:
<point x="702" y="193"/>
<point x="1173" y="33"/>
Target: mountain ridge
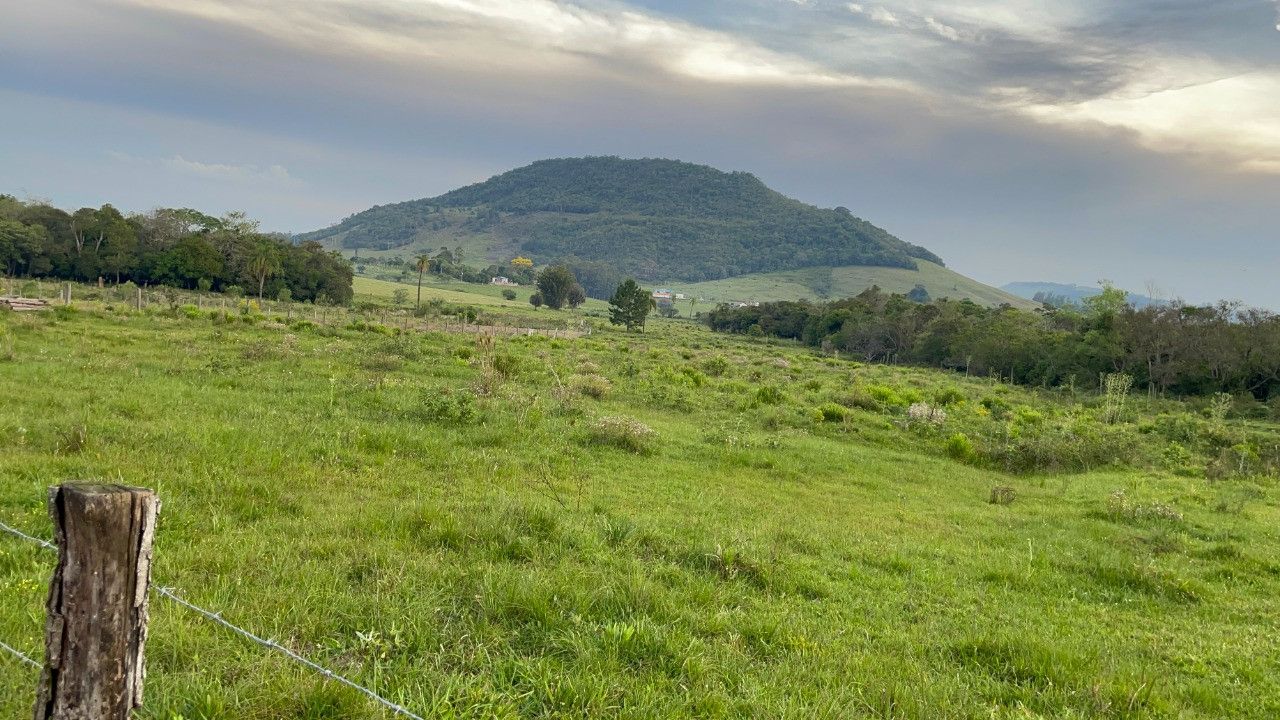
<point x="653" y="218"/>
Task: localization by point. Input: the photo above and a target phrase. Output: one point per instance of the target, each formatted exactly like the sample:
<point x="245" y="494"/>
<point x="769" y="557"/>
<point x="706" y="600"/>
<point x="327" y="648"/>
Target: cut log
<point x="21" y="304"/>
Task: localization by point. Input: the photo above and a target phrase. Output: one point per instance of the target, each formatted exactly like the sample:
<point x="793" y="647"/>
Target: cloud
<point x="1019" y="139"/>
<point x="230" y="172"/>
<point x="515" y="35"/>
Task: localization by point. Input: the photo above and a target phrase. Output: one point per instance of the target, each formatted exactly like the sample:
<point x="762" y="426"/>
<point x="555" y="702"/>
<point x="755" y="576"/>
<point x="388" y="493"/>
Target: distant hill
<point x="648" y="218"/>
<point x="660" y="221"/>
<point x="1057" y="293"/>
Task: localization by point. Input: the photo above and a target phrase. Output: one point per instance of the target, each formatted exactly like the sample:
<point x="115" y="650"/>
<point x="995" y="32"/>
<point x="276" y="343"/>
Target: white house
<point x="500" y="280"/>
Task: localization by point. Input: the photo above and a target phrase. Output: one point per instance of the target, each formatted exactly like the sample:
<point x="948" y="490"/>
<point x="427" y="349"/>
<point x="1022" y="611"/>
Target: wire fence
<point x="18" y="654"/>
<point x="217" y="618"/>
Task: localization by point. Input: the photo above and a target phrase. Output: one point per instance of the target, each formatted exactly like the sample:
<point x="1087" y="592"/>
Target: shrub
<point x="997" y="407"/>
<point x="595" y="386"/>
<point x="1002" y="495"/>
<point x="507" y="365"/>
<point x="889" y="397"/>
<point x="696" y="378"/>
<point x="831" y="412"/>
<point x="623" y="433"/>
<point x="191" y="311"/>
<point x="1120" y="507"/>
<point x="768" y="395"/>
<point x="960" y="447"/>
<point x="509" y="294"/>
<point x="716" y="366"/>
<point x="448" y="406"/>
<point x="948" y="396"/>
<point x="926" y="413"/>
<point x="861" y="399"/>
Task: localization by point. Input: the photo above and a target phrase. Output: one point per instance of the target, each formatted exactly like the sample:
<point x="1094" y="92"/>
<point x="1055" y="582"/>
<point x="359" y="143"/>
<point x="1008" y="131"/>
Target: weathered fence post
<point x="66" y="298"/>
<point x="97" y="608"/>
<point x="138" y="301"/>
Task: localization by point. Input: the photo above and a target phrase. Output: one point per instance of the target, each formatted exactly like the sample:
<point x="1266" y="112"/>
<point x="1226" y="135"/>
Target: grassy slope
<point x="756" y="565"/>
<point x="827" y="283"/>
<point x="456" y="292"/>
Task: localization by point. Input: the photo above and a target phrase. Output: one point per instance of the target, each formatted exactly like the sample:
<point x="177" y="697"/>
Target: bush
<point x="595" y="386"/>
<point x="716" y="366"/>
<point x="191" y="311"/>
<point x="1002" y="495"/>
<point x="448" y="406"/>
<point x="1120" y="507"/>
<point x="948" y="396"/>
<point x="509" y="294"/>
<point x="831" y="412"/>
<point x="859" y="398"/>
<point x="889" y="397"/>
<point x="507" y="365"/>
<point x="769" y="395"/>
<point x="695" y="375"/>
<point x="623" y="433"/>
<point x="960" y="447"/>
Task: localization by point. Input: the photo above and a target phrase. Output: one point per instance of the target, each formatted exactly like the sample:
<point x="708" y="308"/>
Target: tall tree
<point x="263" y="263"/>
<point x="555" y="283"/>
<point x="630" y="305"/>
<point x="422" y="262"/>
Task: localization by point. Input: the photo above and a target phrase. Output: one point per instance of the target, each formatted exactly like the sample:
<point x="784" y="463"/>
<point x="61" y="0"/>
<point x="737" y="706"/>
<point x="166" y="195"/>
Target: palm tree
<point x="422" y="262"/>
<point x="262" y="265"/>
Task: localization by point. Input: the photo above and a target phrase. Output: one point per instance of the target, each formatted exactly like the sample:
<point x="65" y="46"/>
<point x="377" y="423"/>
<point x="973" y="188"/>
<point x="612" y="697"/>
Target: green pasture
<point x="666" y="524"/>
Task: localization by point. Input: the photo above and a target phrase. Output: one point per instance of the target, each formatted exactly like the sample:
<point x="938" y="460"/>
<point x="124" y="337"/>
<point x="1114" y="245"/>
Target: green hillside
<point x="649" y="218"/>
<point x="829" y="283"/>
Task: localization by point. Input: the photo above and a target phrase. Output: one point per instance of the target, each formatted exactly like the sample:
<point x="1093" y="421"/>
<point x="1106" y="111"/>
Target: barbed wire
<point x="217" y="618"/>
<point x="268" y="643"/>
<point x="24" y="536"/>
<point x="19" y="654"/>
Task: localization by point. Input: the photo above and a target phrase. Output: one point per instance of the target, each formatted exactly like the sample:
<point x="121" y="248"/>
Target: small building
<point x="743" y="303"/>
<point x="500" y="280"/>
<point x="662" y="295"/>
<point x="680" y="296"/>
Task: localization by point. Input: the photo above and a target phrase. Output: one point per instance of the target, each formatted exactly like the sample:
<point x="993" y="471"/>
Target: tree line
<point x="1174" y="348"/>
<point x="179" y="247"/>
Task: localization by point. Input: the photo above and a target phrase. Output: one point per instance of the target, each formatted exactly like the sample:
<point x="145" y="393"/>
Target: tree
<point x="400" y="296"/>
<point x="421" y="263"/>
<point x="918" y="294"/>
<point x="577" y="296"/>
<point x="555" y="283"/>
<point x="630" y="305"/>
<point x="263" y="263"/>
<point x="536" y="300"/>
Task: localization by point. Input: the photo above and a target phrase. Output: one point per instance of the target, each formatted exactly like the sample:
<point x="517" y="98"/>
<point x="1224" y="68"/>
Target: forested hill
<point x="651" y="218"/>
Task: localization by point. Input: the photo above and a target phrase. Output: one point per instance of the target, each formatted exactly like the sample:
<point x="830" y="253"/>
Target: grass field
<point x="833" y="283"/>
<point x="671" y="524"/>
<point x="457" y="292"/>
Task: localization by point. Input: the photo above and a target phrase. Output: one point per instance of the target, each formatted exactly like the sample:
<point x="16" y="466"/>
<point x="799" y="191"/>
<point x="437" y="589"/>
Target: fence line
<point x="217" y="618"/>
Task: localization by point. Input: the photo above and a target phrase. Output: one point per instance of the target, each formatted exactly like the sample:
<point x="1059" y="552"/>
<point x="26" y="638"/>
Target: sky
<point x="1071" y="141"/>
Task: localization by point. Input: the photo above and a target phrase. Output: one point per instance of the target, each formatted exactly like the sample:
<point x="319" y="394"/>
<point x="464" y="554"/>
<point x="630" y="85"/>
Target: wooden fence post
<point x="97" y="608"/>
